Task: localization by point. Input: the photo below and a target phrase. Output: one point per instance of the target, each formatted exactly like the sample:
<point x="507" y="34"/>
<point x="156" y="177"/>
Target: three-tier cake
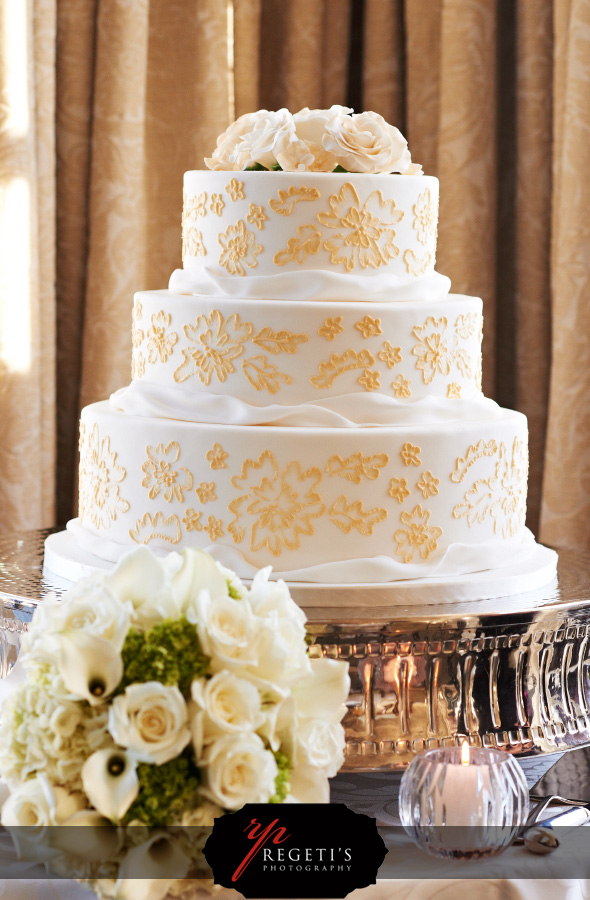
<point x="307" y="393"/>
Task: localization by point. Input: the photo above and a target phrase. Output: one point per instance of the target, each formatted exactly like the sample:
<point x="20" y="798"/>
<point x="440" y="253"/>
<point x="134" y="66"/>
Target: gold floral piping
<point x="416" y="265"/>
<point x="100" y="477"/>
<point x="390" y="355"/>
<point x="298" y="248"/>
<point x="331" y="327"/>
<point x="454" y="391"/>
<point x="398" y="489"/>
<point x="410" y="455"/>
<point x="330" y="369"/>
<point x="192" y="520"/>
<point x="214" y="528"/>
<point x="435" y="354"/>
<point x="428" y="485"/>
<point x="351" y="515"/>
<point x="218" y="342"/>
<point x="502" y="496"/>
<point x="354" y="467"/>
<point x="417" y="535"/>
<point x="256" y="216"/>
<point x="235" y="189"/>
<point x="474" y="452"/>
<point x="238" y="248"/>
<point x="264" y="375"/>
<point x="276" y="507"/>
<point x="368" y="327"/>
<point x="206" y="491"/>
<point x="287" y="199"/>
<point x="369" y="380"/>
<point x="157" y="528"/>
<point x="217" y="204"/>
<point x="160" y="343"/>
<point x="216" y="457"/>
<point x="425" y="217"/>
<point x="362" y="234"/>
<point x="161" y="475"/>
<point x="402" y="387"/>
<point x="278" y="341"/>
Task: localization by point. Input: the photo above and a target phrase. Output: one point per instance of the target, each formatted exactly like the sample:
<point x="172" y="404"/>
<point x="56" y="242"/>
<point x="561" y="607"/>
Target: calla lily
<point x="110" y="782"/>
<point x="325" y="691"/>
<point x="91" y="667"/>
<point x="144" y="580"/>
<point x="97" y="840"/>
<point x="199" y="572"/>
<point x="149" y="869"/>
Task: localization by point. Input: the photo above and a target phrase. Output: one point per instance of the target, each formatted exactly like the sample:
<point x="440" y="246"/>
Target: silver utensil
<point x="540" y="837"/>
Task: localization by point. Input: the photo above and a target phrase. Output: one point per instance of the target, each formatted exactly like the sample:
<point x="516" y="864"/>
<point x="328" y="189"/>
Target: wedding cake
<point x="307" y="393"/>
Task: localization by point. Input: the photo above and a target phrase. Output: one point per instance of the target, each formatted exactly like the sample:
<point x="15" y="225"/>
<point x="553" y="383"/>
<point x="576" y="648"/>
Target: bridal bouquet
<point x="164" y="693"/>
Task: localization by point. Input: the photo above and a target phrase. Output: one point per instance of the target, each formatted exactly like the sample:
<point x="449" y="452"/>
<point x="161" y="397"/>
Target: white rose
<point x="310" y="124"/>
<point x="227" y="156"/>
<point x="38" y="805"/>
<point x="151" y="721"/>
<point x="143" y="581"/>
<point x="325" y="690"/>
<point x="203" y="815"/>
<point x="308" y="785"/>
<point x="94" y="609"/>
<point x="270" y="134"/>
<point x="237" y="769"/>
<point x="367" y="143"/>
<point x="228" y="631"/>
<point x="283" y="650"/>
<point x="320" y="743"/>
<point x="230" y="705"/>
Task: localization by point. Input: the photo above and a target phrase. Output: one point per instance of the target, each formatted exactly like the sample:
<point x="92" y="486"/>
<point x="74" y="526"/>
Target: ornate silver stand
<point x="511" y="673"/>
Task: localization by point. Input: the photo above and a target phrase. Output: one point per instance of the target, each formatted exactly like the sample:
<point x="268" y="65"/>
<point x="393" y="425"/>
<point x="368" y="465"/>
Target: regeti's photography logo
<point x="295" y="850"/>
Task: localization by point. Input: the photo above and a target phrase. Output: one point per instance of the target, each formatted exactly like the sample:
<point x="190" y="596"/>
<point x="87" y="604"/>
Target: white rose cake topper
<point x="313" y="140"/>
<point x="162" y="693"/>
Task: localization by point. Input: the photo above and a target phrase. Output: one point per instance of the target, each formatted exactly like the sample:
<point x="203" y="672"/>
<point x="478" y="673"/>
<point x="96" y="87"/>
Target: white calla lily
<point x="145" y="581"/>
<point x="91" y="667"/>
<point x="149" y="869"/>
<point x="199" y="572"/>
<point x="110" y="782"/>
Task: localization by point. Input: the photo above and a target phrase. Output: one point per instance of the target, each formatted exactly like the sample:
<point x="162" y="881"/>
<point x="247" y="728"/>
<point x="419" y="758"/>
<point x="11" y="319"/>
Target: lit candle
<point x="471" y="787"/>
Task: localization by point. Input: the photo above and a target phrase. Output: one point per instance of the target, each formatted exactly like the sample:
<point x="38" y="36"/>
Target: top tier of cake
<point x="344" y="236"/>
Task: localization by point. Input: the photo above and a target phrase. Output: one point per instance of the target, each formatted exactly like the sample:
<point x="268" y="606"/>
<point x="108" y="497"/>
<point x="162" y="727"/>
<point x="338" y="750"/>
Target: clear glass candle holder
<point x="463" y="802"/>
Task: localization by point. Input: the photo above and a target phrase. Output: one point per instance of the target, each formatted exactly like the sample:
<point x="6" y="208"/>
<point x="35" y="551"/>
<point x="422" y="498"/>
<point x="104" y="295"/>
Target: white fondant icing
<point x="141" y="398"/>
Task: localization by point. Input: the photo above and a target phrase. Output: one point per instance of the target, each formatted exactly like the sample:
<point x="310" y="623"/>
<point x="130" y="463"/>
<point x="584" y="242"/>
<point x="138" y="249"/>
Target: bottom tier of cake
<point x="351" y="505"/>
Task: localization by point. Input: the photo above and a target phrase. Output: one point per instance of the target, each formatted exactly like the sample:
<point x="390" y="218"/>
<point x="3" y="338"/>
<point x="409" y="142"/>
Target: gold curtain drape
<point x="493" y="96"/>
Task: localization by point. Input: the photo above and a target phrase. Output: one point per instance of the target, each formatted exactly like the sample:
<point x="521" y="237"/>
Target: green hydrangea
<point x="164" y="791"/>
<point x="169" y="653"/>
<point x="233" y="591"/>
<point x="282" y="784"/>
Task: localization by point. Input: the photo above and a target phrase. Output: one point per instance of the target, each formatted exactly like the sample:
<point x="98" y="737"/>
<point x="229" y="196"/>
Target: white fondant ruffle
<point x="142" y="398"/>
<point x="458" y="559"/>
<point x="309" y="285"/>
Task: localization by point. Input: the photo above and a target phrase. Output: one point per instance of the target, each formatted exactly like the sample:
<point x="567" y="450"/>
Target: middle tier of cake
<point x="308" y="363"/>
<point x="318" y="504"/>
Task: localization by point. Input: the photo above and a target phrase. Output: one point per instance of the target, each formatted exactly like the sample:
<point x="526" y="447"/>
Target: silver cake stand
<point x="511" y="673"/>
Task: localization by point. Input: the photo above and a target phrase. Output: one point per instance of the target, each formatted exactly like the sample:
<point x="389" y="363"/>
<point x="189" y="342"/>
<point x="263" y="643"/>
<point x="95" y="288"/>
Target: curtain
<point x="493" y="96"/>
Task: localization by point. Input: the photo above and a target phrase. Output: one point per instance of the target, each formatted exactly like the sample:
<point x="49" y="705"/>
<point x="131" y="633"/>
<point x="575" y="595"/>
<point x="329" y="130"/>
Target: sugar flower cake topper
<point x="313" y="140"/>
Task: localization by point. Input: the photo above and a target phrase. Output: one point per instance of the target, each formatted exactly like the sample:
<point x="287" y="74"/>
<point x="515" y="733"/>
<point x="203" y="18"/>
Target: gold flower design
<point x="370" y="380"/>
<point x="390" y="355"/>
<point x="416" y="265"/>
<point x="162" y="475"/>
<point x="236" y="190"/>
<point x="398" y="489"/>
<point x="137" y="333"/>
<point x="157" y="528"/>
<point x="410" y="455"/>
<point x="417" y="535"/>
<point x="217" y="342"/>
<point x="428" y="485"/>
<point x="369" y="327"/>
<point x="238" y="248"/>
<point x="362" y="233"/>
<point x="402" y="387"/>
<point x="206" y="491"/>
<point x="424" y="217"/>
<point x="331" y="327"/>
<point x="217" y="205"/>
<point x="433" y="353"/>
<point x="160" y="344"/>
<point x="214" y="528"/>
<point x="137" y="365"/>
<point x="195" y="206"/>
<point x="192" y="520"/>
<point x="192" y="242"/>
<point x="216" y="457"/>
<point x="100" y="477"/>
<point x="256" y="216"/>
<point x="277" y="506"/>
<point x="454" y="391"/>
